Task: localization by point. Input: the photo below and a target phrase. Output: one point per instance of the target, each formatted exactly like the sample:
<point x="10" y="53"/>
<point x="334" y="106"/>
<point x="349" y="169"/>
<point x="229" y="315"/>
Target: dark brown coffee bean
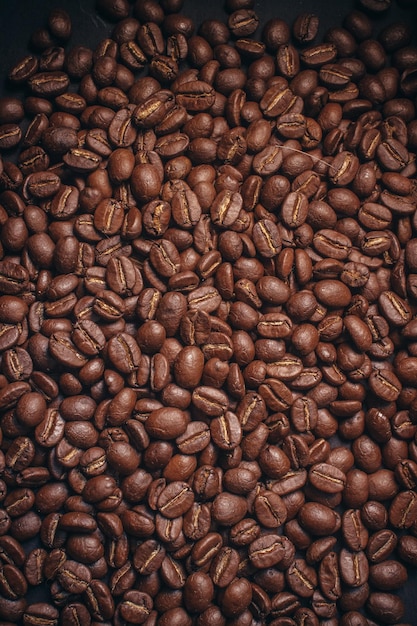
<point x="266" y="551"/>
<point x="385" y="385"/>
<point x="392" y="155"/>
<point x="327" y="478"/>
<point x="40" y="612"/>
<point x="228" y="509"/>
<point x="12" y="582"/>
<point x="386" y="607"/>
<point x="274" y="462"/>
<point x="266" y="238"/>
<point x="320" y="54"/>
<point x="211" y="401"/>
<point x="206" y="482"/>
<point x="401" y="511"/>
<point x="33" y="567"/>
<point x="305" y="27"/>
<point x="380" y="545"/>
<point x="166" y="423"/>
<point x="270" y="509"/>
<point x="82" y="160"/>
<point x="394" y="308"/>
<point x="198" y="592"/>
<point x="226" y="431"/>
<point x="135" y="606"/>
<point x="206" y="549"/>
<point x="23" y="69"/>
<point x="329" y="576"/>
<point x="165" y="258"/>
<point x="288" y="62"/>
<point x="148" y="557"/>
<point x="407" y="549"/>
<point x="19" y="502"/>
<point x="175" y="499"/>
<point x="224" y="567"/>
<point x="388" y="575"/>
<point x="226" y="208"/>
<point x="354" y="568"/>
<point x="75" y="611"/>
<point x="301" y="578"/>
<point x="195" y="96"/>
<point x="354" y="532"/>
<point x="318" y="519"/>
<point x="74" y="577"/>
<point x="243" y="22"/>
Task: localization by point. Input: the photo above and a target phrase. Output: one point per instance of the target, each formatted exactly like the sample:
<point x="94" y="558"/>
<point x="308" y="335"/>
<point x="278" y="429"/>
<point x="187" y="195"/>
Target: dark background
<point x="19" y="18"/>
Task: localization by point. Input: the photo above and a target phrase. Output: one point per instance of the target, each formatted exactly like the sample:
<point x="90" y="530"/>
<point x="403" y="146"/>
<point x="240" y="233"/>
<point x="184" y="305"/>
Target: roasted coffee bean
<point x="407" y="549"/>
<point x="318" y="519"/>
<point x="327" y="478"/>
<point x="206" y="549"/>
<point x="74" y="577"/>
<point x="135" y="606"/>
<point x="210" y="401"/>
<point x="148" y="557"/>
<point x="388" y="575"/>
<point x="380" y="545"/>
<point x="301" y="578"/>
<point x="270" y="509"/>
<point x="385" y="606"/>
<point x="175" y="499"/>
<point x="354" y="532"/>
<point x="266" y="551"/>
<point x="402" y="509"/>
<point x="226" y="431"/>
<point x="166" y="423"/>
<point x="305" y="27"/>
<point x="224" y="567"/>
<point x="354" y="568"/>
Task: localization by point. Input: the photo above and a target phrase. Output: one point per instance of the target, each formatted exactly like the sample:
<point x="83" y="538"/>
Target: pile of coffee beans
<point x="208" y="329"/>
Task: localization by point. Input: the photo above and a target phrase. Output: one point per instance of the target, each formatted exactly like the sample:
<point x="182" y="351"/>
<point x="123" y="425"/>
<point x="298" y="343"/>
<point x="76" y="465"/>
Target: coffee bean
<point x="148" y="557"/>
<point x="224" y="567"/>
<point x="266" y="551"/>
<point x="206" y="482"/>
<point x="135" y="606"/>
<point x="385" y="606"/>
<point x="401" y="510"/>
<point x="329" y="576"/>
<point x="318" y="519"/>
<point x="175" y="499"/>
<point x="74" y="577"/>
<point x="198" y="592"/>
<point x="301" y="578"/>
<point x="206" y="549"/>
<point x="388" y="575"/>
<point x="380" y="545"/>
<point x="327" y="478"/>
<point x="305" y="27"/>
<point x="354" y="568"/>
<point x="270" y="510"/>
<point x="211" y="401"/>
